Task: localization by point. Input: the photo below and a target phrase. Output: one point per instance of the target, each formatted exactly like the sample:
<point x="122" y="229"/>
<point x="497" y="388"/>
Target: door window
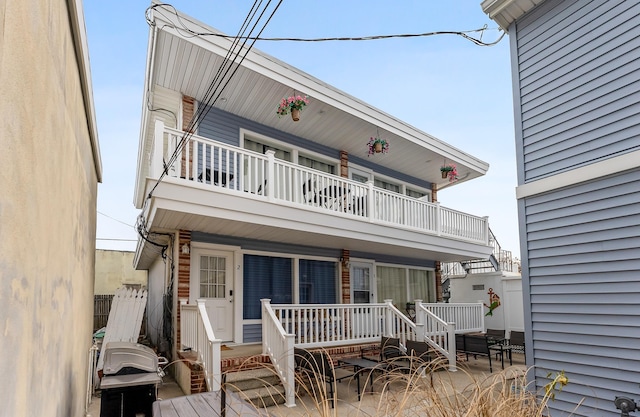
<point x="361" y="284"/>
<point x="212" y="277"/>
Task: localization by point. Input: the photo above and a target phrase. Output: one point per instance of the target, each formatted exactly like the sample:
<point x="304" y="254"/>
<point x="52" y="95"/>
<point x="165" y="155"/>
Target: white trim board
<point x="576" y="176"/>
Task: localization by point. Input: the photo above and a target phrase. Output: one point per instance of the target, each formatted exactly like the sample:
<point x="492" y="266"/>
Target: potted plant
<point x="377" y="145"/>
<point x="449" y="170"/>
<point x="292" y="104"/>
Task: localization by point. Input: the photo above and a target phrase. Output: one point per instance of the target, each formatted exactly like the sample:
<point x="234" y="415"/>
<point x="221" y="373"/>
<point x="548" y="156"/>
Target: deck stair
<point x="261" y="385"/>
<point x="498" y="260"/>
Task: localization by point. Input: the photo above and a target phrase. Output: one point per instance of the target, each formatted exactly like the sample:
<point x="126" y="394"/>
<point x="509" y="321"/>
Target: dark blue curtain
<point x="317" y="282"/>
<point x="266" y="277"/>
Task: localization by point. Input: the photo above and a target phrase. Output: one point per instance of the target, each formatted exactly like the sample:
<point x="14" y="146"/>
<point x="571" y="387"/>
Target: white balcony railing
<point x="196" y="334"/>
<point x="219" y="166"/>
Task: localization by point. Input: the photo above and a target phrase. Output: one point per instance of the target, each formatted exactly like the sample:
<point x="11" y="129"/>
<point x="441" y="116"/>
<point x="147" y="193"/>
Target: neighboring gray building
<point x="576" y="83"/>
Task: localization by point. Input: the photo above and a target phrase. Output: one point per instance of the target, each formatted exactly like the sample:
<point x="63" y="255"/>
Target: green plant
<point x="371" y="145"/>
<point x="290" y="103"/>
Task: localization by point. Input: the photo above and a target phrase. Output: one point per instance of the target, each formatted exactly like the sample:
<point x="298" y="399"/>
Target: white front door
<point x="212" y="281"/>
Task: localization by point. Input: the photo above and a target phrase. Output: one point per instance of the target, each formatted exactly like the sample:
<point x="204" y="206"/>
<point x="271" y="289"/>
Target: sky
<point x="444" y="85"/>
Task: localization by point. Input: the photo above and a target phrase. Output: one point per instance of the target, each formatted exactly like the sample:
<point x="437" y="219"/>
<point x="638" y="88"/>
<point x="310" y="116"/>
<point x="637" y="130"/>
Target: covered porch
<point x="286" y="326"/>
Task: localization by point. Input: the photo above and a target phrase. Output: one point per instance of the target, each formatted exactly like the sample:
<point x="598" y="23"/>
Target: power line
<point x="113" y="218"/>
<point x="464" y="34"/>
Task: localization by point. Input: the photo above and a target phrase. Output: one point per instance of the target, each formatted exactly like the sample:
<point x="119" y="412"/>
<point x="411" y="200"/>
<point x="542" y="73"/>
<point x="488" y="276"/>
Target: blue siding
<point x="251" y="333"/>
<point x="584" y="283"/>
<point x="577" y="100"/>
<point x="570" y="56"/>
<point x="225" y="127"/>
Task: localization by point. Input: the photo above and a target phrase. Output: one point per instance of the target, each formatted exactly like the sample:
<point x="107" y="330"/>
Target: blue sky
<point x="444" y="85"/>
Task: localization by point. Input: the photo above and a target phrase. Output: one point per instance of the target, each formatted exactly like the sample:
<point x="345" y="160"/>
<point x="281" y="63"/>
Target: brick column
<point x="434" y="192"/>
<point x="184" y="272"/>
<point x="345" y="277"/>
<point x="345" y="281"/>
<point x="344" y="164"/>
<point x="188" y="110"/>
<point x="438" y="282"/>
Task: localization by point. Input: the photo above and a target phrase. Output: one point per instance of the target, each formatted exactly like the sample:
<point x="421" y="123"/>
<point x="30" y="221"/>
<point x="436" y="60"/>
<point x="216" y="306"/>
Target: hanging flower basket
<point x="293" y="105"/>
<point x="450" y="171"/>
<point x="377" y="145"/>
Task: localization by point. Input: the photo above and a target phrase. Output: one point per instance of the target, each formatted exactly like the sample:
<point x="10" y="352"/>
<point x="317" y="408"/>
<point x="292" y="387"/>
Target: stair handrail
<point x="438" y="333"/>
<point x="197" y="334"/>
<point x="398" y="325"/>
<point x="279" y="344"/>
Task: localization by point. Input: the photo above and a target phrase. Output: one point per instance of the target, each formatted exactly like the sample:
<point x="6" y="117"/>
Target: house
<point x="576" y="83"/>
<point x="51" y="168"/>
<point x="241" y="208"/>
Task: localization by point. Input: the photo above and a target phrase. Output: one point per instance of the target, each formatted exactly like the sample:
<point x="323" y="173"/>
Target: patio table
<point x="361" y="365"/>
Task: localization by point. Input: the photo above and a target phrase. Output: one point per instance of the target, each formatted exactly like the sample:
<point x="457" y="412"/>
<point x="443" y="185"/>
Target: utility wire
<point x="210" y="97"/>
<point x="464" y="34"/>
<point x="113" y="218"/>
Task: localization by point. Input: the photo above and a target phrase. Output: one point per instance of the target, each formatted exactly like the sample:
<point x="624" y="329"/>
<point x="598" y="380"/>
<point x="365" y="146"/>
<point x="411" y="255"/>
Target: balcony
<point x="236" y="185"/>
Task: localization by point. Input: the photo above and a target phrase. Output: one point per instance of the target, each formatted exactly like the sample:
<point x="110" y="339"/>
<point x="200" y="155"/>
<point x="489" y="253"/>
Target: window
<point x="315" y="164"/>
<point x="263" y="148"/>
<point x="417" y="194"/>
<point x="317" y="282"/>
<point x="266" y="277"/>
<point x="403" y="285"/>
<point x="386" y="185"/>
<point x="212" y="277"/>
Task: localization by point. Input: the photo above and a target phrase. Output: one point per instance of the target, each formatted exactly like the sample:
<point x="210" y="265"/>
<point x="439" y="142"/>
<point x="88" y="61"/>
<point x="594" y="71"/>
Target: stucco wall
<point x="114" y="269"/>
<point x="48" y="184"/>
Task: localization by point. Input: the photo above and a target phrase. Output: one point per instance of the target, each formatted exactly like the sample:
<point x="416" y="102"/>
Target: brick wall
<point x="184" y="270"/>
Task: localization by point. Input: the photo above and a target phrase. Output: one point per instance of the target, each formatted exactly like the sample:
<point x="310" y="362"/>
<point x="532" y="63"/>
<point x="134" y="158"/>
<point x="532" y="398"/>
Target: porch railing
<point x="196" y="334"/>
<point x="437" y="333"/>
<point x="468" y="317"/>
<point x="325" y="325"/>
<point x="218" y="166"/>
<point x="278" y="344"/>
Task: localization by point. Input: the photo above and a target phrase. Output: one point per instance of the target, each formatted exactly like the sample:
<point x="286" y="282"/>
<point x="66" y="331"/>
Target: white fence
<point x="196" y="334"/>
<point x="224" y="167"/>
<point x="125" y="318"/>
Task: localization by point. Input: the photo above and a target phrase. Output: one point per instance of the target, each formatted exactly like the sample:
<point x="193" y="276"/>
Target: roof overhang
<point x="179" y="61"/>
<point x="505" y="12"/>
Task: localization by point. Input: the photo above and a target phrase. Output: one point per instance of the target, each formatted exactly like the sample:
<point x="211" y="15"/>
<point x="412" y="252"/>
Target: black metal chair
<point x="388" y="349"/>
<point x="516" y="341"/>
<point x="317" y="366"/>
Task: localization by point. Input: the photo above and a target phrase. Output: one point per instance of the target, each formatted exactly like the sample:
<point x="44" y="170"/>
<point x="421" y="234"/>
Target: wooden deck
<point x="204" y="404"/>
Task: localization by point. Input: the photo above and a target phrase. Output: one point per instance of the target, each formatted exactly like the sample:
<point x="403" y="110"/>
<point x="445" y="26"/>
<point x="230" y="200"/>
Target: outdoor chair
<point x="418" y="354"/>
<point x="496" y="340"/>
<point x="317" y="367"/>
<point x="516" y="341"/>
<point x="388" y="349"/>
